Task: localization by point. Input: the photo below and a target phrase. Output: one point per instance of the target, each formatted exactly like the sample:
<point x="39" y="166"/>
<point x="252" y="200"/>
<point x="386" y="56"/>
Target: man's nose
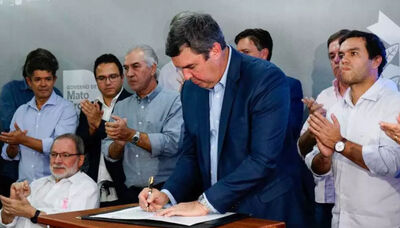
<point x="187" y="74"/>
<point x="336" y="59"/>
<point x="58" y="159"/>
<point x="344" y="59"/>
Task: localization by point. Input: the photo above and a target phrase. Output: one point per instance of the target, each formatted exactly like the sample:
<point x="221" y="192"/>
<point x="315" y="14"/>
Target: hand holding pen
<point x="151" y="199"/>
<point x="151" y="182"/>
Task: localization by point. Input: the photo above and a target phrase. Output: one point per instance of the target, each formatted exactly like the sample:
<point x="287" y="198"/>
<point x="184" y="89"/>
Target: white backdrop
<point x="78" y="31"/>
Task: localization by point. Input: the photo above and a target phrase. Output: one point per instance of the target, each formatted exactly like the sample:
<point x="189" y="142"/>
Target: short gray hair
<point x="79" y="146"/>
<point x="150" y="56"/>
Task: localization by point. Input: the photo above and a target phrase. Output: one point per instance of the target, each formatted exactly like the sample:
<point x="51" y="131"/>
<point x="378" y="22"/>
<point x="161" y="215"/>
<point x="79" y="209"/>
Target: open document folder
<point x="136" y="213"/>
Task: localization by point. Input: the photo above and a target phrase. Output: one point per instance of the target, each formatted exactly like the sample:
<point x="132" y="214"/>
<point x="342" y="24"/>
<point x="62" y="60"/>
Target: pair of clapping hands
<point x="116" y="130"/>
<point x="17" y="204"/>
<point x="317" y="112"/>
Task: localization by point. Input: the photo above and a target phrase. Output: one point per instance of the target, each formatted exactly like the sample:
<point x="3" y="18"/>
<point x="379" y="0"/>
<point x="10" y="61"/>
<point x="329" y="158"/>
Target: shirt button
<point x="142" y="107"/>
<point x="33" y="166"/>
<point x="137" y="155"/>
<point x="39" y="114"/>
<point x="138" y="173"/>
<point x="140" y="122"/>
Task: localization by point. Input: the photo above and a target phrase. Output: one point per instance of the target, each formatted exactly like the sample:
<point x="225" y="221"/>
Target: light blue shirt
<point x="216" y="97"/>
<point x="159" y="115"/>
<point x="57" y="117"/>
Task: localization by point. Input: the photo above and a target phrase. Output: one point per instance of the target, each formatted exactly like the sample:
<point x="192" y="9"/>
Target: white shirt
<point x="367" y="198"/>
<point x="324" y="190"/>
<point x="103" y="174"/>
<point x="324" y="185"/>
<point x="170" y="78"/>
<point x="78" y="192"/>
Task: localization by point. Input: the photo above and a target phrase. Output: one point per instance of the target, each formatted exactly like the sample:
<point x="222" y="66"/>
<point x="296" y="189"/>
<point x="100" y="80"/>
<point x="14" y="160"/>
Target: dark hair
<point x="260" y="37"/>
<point x="40" y="59"/>
<point x="79" y="146"/>
<point x="373" y="45"/>
<point x="196" y="31"/>
<point x="107" y="58"/>
<point x="337" y="35"/>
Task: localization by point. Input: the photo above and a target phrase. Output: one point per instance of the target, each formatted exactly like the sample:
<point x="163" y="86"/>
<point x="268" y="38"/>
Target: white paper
<point x="136" y="213"/>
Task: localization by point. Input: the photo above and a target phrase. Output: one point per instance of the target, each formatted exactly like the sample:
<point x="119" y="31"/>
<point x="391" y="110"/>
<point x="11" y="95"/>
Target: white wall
<point x="78" y="31"/>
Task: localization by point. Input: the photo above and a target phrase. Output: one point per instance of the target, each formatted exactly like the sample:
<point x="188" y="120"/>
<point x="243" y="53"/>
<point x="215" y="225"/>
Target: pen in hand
<point x="151" y="182"/>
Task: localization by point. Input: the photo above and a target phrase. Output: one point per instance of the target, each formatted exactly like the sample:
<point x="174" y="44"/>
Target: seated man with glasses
<point x="67" y="189"/>
<point x="109" y="175"/>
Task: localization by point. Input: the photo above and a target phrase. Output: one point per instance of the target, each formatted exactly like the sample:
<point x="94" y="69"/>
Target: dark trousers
<point x="323" y="214"/>
<point x="130" y="195"/>
<point x="8" y="175"/>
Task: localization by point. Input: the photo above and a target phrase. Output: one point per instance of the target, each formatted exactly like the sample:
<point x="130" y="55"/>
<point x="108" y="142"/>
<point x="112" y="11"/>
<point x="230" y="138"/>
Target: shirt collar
<point x="51" y="101"/>
<point x="222" y="81"/>
<point x="335" y="84"/>
<point x="373" y="93"/>
<point x="73" y="179"/>
<point x="100" y="98"/>
<point x="149" y="97"/>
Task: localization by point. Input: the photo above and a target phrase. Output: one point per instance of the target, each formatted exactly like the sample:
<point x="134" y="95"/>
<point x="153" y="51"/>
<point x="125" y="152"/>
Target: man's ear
<point x="153" y="69"/>
<point x="29" y="81"/>
<point x="376" y="61"/>
<point x="215" y="51"/>
<point x="81" y="161"/>
<point x="264" y="53"/>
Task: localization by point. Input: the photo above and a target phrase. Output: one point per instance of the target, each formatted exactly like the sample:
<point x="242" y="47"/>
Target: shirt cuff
<point x="46" y="145"/>
<point x="213" y="210"/>
<point x="5" y="156"/>
<point x="170" y="196"/>
<point x="105" y="144"/>
<point x="309" y="159"/>
<point x="373" y="156"/>
<point x="157" y="143"/>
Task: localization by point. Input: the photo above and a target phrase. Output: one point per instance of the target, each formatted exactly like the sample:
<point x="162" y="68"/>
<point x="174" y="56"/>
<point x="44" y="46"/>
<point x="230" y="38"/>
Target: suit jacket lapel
<point x="229" y="96"/>
<point x="204" y="128"/>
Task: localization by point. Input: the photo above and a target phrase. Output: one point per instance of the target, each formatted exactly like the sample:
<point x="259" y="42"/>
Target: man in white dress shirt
<point x="324" y="186"/>
<point x="67" y="189"/>
<point x="350" y="143"/>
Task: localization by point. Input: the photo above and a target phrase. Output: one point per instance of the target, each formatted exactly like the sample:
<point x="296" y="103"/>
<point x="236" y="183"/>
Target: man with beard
<point x="67" y="189"/>
<point x="350" y="144"/>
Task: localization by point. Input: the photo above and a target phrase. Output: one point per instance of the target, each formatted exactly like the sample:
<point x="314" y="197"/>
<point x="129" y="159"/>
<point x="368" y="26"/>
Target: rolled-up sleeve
<point x="382" y="160"/>
<point x="166" y="142"/>
<point x="105" y="144"/>
<point x="309" y="159"/>
<point x="67" y="124"/>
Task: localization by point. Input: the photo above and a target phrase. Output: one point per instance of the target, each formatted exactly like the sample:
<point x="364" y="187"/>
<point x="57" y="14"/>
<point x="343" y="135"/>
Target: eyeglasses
<point x="54" y="155"/>
<point x="111" y="77"/>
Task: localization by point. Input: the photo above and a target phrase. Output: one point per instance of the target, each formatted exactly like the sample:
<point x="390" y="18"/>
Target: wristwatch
<point x="35" y="217"/>
<point x="136" y="138"/>
<point x="202" y="200"/>
<point x="339" y="146"/>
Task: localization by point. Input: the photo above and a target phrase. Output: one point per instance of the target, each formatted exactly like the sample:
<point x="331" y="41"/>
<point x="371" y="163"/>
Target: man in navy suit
<point x="235" y="111"/>
<point x="258" y="43"/>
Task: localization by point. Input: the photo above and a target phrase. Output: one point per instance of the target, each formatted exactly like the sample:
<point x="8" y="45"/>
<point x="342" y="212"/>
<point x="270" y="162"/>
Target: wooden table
<point x="70" y="220"/>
